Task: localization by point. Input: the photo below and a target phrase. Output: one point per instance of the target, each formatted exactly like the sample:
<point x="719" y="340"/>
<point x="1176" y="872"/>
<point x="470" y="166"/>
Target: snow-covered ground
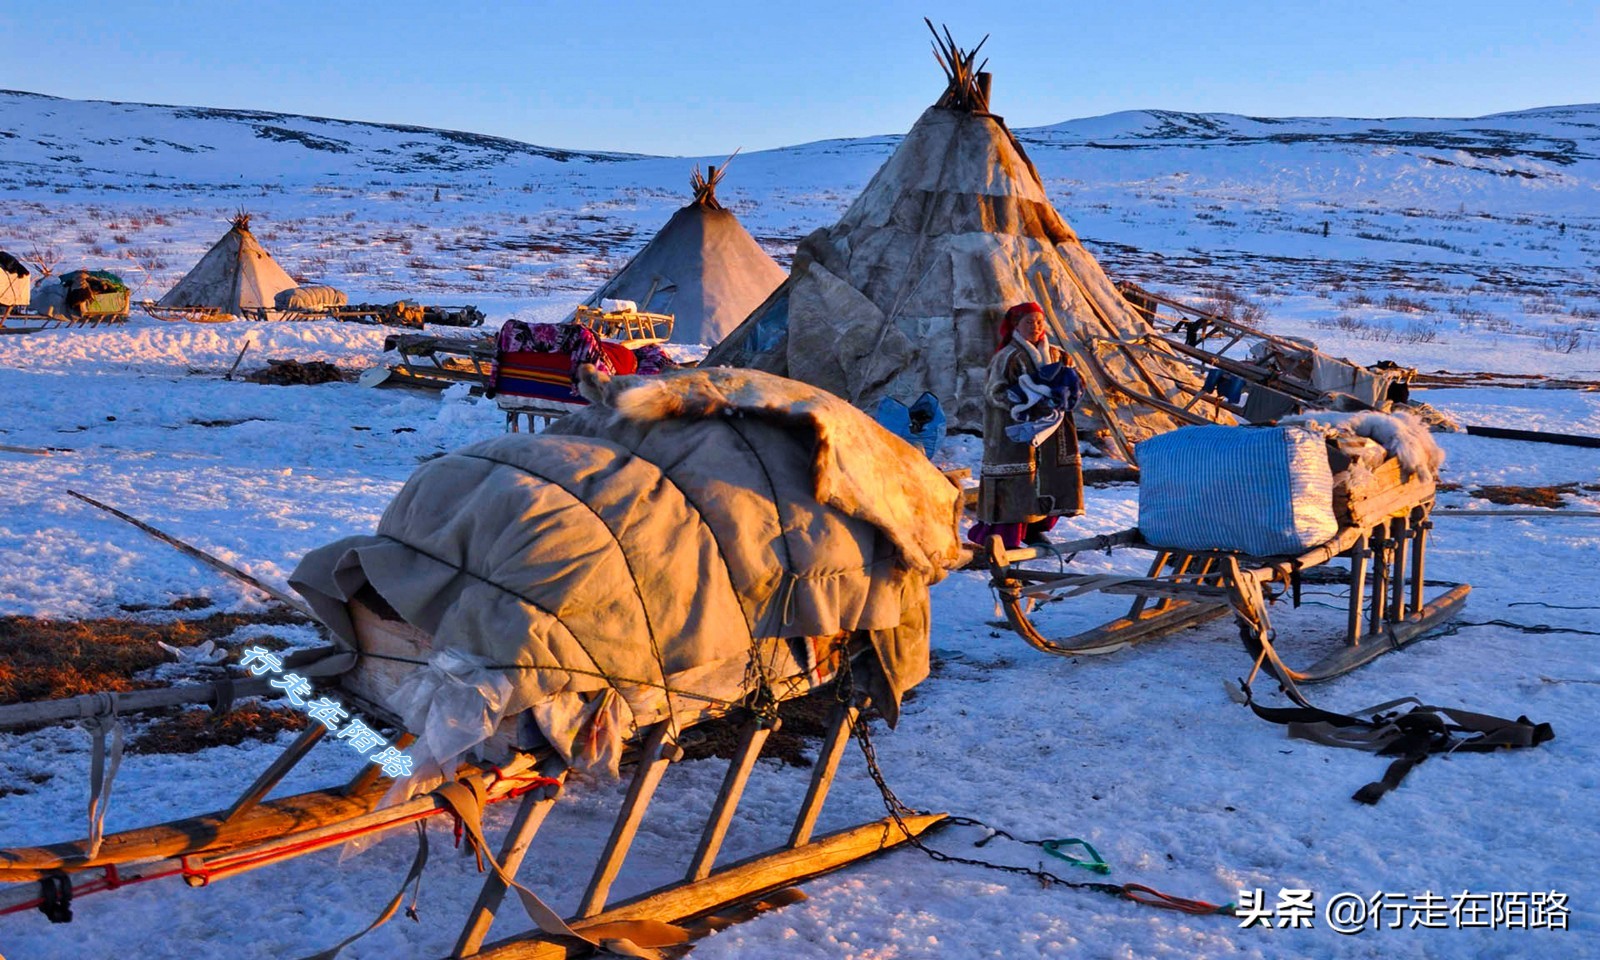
<point x="1140" y="752"/>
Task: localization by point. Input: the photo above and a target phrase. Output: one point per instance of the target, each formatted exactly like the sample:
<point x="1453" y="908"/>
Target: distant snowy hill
<point x="1502" y="210"/>
<point x="1531" y="160"/>
<point x="55" y="139"/>
<point x="1542" y="159"/>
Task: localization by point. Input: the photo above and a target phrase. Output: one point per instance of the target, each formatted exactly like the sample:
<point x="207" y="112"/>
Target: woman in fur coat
<point x="1031" y="473"/>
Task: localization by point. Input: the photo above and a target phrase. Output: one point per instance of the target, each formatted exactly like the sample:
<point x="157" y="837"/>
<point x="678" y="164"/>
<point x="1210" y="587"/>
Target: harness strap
<point x="1411" y="737"/>
<point x="389" y="910"/>
<point x="102" y="768"/>
<point x="1414" y="747"/>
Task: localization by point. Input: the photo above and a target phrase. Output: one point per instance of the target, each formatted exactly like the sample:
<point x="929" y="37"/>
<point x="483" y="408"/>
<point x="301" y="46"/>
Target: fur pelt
<point x="1403" y="434"/>
<point x="859" y="467"/>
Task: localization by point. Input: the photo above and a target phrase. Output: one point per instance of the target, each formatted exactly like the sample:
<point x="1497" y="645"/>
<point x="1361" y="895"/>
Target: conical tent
<point x="236" y="274"/>
<point x="702" y="267"/>
<point x="905" y="293"/>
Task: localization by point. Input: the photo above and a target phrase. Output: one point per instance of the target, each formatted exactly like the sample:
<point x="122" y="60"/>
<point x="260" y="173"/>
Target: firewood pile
<point x="285" y="373"/>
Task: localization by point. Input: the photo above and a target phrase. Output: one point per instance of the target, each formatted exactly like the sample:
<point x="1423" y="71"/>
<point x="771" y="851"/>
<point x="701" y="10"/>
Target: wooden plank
<point x="1397" y="577"/>
<point x="1179" y="571"/>
<point x="1139" y="600"/>
<point x="269" y="824"/>
<point x="751" y="878"/>
<point x="128" y="701"/>
<point x="1358" y="590"/>
<point x="1380" y="578"/>
<point x="1419" y="559"/>
<point x="1125" y="631"/>
<point x="530" y="816"/>
<point x="1133" y="586"/>
<point x="370" y="773"/>
<point x="652" y="764"/>
<point x="839" y="728"/>
<point x="278" y="769"/>
<point x="751" y="740"/>
<point x="1393" y="637"/>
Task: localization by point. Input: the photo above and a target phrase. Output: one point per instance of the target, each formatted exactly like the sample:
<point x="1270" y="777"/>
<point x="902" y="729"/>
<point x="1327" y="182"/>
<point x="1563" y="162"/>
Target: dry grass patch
<point x="1551" y="497"/>
<point x="49" y="659"/>
<point x="194" y="730"/>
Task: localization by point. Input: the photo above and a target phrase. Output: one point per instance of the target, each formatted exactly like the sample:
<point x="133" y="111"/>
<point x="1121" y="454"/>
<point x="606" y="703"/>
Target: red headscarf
<point x="1008" y="324"/>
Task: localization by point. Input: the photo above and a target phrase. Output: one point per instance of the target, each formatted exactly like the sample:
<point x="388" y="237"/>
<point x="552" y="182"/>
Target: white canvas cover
<point x="905" y="292"/>
<point x="665" y="548"/>
<point x="703" y="268"/>
<point x="236" y="274"/>
<point x="312" y="296"/>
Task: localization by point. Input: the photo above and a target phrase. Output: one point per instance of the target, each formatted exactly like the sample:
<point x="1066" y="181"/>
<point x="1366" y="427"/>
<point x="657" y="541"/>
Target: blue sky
<point x="702" y="78"/>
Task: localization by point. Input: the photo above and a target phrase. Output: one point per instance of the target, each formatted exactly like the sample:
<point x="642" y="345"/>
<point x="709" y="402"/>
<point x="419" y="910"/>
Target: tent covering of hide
<point x="905" y="293"/>
<point x="235" y="275"/>
<point x="702" y="267"/>
<point x="691" y="539"/>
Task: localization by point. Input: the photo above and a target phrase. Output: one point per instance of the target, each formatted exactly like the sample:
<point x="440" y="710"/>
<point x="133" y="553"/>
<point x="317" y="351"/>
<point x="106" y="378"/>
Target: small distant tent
<point x="15" y="282"/>
<point x="235" y="275"/>
<point x="905" y="293"/>
<point x="702" y="267"/>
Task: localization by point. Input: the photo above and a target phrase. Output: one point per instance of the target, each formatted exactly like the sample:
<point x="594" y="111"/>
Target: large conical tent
<point x="905" y="293"/>
<point x="235" y="275"/>
<point x="703" y="268"/>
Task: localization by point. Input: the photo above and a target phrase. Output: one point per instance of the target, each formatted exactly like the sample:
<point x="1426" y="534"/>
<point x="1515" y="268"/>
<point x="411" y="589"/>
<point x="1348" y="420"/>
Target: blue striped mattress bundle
<point x="1263" y="491"/>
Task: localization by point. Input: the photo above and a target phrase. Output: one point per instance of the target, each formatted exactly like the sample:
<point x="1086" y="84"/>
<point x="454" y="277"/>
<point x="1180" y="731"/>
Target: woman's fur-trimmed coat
<point x="1020" y="483"/>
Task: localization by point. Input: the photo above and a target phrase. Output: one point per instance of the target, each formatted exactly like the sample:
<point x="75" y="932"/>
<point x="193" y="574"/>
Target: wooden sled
<point x="185" y="314"/>
<point x="14" y="321"/>
<point x="1276" y="372"/>
<point x="1383" y="534"/>
<point x="438" y="362"/>
<point x="254" y="832"/>
<point x="630" y="328"/>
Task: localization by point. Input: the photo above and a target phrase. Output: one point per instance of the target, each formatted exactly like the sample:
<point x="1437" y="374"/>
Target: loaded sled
<point x="1380" y="529"/>
<point x="82" y="298"/>
<point x="1255" y="375"/>
<point x="537" y="365"/>
<point x="581" y="599"/>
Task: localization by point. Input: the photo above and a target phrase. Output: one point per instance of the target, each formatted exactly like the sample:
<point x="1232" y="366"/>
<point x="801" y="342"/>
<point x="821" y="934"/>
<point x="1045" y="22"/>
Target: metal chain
<point x="898" y="810"/>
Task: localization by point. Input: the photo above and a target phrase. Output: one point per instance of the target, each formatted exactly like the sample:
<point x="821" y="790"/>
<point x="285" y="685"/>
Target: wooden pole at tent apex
<point x="705" y="187"/>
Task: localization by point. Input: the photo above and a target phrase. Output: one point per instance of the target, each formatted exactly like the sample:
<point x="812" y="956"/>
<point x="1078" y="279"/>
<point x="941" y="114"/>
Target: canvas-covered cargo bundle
<point x="313" y="296"/>
<point x="94" y="292"/>
<point x="1298" y="359"/>
<point x="689" y="540"/>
